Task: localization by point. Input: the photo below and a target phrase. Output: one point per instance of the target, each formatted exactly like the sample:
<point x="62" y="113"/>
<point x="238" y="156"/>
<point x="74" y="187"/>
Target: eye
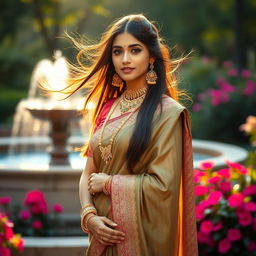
<point x="116" y="52"/>
<point x="136" y="50"/>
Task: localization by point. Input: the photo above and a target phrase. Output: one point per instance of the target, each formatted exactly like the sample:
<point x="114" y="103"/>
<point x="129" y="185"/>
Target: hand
<point x="96" y="182"/>
<point x="99" y="227"/>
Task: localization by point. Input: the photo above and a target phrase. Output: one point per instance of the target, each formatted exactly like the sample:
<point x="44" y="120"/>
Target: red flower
<point x="225" y="173"/>
<point x="250" y="206"/>
<point x="206" y="227"/>
<point x="37" y="224"/>
<point x="25" y="214"/>
<point x="201" y="190"/>
<point x="5" y="200"/>
<point x="218" y="226"/>
<point x="214" y="197"/>
<point x="234" y="234"/>
<point x="5" y="251"/>
<point x="214" y="180"/>
<point x="250" y="190"/>
<point x="206" y="165"/>
<point x="34" y="197"/>
<point x="235" y="200"/>
<point x="205" y="239"/>
<point x="224" y="246"/>
<point x="57" y="208"/>
<point x="8" y="232"/>
<point x="225" y="186"/>
<point x="245" y="219"/>
<point x="242" y="169"/>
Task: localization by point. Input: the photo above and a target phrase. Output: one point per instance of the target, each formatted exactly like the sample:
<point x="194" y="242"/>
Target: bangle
<point x="107" y="186"/>
<point x="86" y="209"/>
<point x="84" y="225"/>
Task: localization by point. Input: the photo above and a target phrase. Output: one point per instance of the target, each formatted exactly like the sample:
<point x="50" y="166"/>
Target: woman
<point x="136" y="190"/>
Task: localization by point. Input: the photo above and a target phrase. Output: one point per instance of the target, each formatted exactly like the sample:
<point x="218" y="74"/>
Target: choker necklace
<point x="131" y="99"/>
<point x="106" y="153"/>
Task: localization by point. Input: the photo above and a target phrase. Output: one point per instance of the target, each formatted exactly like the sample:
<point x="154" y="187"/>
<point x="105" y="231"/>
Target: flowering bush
<point x="225" y="210"/>
<point x="221" y="97"/>
<point x="34" y="219"/>
<point x="10" y="243"/>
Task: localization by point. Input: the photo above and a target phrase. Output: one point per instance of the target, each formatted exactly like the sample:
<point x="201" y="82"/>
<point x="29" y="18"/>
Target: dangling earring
<point x="117" y="81"/>
<point x="151" y="76"/>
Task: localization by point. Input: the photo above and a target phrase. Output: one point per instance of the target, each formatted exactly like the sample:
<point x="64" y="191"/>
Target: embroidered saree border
<point x="124" y="213"/>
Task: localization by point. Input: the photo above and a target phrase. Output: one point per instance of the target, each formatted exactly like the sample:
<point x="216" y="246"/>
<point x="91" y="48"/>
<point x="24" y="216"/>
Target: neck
<point x="136" y="85"/>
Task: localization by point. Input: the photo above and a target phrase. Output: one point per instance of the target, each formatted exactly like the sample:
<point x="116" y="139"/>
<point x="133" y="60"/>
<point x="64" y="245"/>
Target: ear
<point x="151" y="60"/>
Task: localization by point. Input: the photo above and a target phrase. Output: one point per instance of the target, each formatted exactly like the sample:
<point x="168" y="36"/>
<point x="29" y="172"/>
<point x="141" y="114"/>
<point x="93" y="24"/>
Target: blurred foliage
<point x="222" y="98"/>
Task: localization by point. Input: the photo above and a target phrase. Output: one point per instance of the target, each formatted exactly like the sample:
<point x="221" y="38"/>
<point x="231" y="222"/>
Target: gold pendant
<point x="106" y="153"/>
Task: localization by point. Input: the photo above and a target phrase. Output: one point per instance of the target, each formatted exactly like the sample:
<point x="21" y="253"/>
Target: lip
<point x="127" y="70"/>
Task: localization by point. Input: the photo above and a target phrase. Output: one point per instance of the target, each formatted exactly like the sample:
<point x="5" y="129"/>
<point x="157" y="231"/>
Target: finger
<point x="101" y="240"/>
<point x="111" y="232"/>
<point x="109" y="222"/>
<point x="113" y="239"/>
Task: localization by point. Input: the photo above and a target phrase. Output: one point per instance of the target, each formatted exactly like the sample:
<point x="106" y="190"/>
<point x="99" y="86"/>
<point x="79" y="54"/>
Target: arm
<point x="98" y="224"/>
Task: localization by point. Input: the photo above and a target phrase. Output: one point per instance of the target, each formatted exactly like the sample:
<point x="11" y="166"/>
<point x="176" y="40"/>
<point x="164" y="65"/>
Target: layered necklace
<point x="126" y="103"/>
<point x="131" y="99"/>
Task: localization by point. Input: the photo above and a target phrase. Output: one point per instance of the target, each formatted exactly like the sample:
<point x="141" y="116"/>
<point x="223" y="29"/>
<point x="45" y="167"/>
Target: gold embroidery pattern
<point x="124" y="213"/>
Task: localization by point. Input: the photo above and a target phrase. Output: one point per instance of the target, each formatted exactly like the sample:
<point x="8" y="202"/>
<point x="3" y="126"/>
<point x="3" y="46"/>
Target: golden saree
<point x="155" y="205"/>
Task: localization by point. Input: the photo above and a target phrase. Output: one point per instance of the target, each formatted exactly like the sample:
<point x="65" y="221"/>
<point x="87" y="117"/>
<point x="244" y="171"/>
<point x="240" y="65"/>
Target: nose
<point x="126" y="57"/>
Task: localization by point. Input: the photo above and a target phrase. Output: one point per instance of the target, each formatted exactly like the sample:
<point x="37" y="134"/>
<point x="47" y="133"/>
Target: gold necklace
<point x="106" y="153"/>
<point x="131" y="99"/>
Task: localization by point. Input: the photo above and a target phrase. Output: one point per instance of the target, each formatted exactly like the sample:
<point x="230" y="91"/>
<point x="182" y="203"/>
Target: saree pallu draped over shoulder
<point x="155" y="206"/>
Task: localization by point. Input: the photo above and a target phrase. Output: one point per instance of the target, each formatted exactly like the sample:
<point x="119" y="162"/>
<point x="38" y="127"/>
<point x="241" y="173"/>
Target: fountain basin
<point x="60" y="183"/>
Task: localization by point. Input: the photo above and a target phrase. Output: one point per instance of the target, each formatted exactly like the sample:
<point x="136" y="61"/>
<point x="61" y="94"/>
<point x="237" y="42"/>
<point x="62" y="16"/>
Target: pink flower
<point x="226" y="87"/>
<point x="214" y="180"/>
<point x="214" y="197"/>
<point x="232" y="72"/>
<point x="201" y="190"/>
<point x="197" y="175"/>
<point x="205" y="59"/>
<point x="250" y="206"/>
<point x="5" y="251"/>
<point x="224" y="246"/>
<point x="249" y="190"/>
<point x="220" y="80"/>
<point x="235" y="200"/>
<point x="225" y="173"/>
<point x="205" y="239"/>
<point x="234" y="234"/>
<point x="251" y="246"/>
<point x="218" y="226"/>
<point x="245" y="219"/>
<point x="246" y="73"/>
<point x="34" y="197"/>
<point x="242" y="169"/>
<point x="206" y="227"/>
<point x="250" y="87"/>
<point x="5" y="200"/>
<point x="196" y="107"/>
<point x="225" y="186"/>
<point x="25" y="214"/>
<point x="8" y="232"/>
<point x="37" y="224"/>
<point x="227" y="64"/>
<point x="200" y="208"/>
<point x="206" y="165"/>
<point x="57" y="208"/>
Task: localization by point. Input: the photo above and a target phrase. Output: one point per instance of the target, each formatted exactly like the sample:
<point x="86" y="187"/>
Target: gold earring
<point x="117" y="81"/>
<point x="151" y="76"/>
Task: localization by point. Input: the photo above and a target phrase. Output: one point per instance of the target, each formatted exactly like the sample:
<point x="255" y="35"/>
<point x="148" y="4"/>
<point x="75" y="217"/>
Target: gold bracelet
<point x="105" y="189"/>
<point x="86" y="212"/>
<point x="84" y="207"/>
<point x="84" y="225"/>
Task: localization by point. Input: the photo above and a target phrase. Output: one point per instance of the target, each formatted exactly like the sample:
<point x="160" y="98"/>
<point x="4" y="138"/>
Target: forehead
<point x="125" y="39"/>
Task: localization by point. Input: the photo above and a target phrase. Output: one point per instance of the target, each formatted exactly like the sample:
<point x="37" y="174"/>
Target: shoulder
<point x="171" y="106"/>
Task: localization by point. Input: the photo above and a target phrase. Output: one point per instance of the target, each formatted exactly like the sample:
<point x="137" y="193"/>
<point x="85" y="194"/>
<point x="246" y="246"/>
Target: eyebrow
<point x="130" y="46"/>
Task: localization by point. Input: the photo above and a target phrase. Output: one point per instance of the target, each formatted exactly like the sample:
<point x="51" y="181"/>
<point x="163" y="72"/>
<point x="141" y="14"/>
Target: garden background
<point x="219" y="77"/>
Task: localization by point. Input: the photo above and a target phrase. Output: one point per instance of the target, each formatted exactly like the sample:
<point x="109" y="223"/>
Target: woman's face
<point x="130" y="57"/>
